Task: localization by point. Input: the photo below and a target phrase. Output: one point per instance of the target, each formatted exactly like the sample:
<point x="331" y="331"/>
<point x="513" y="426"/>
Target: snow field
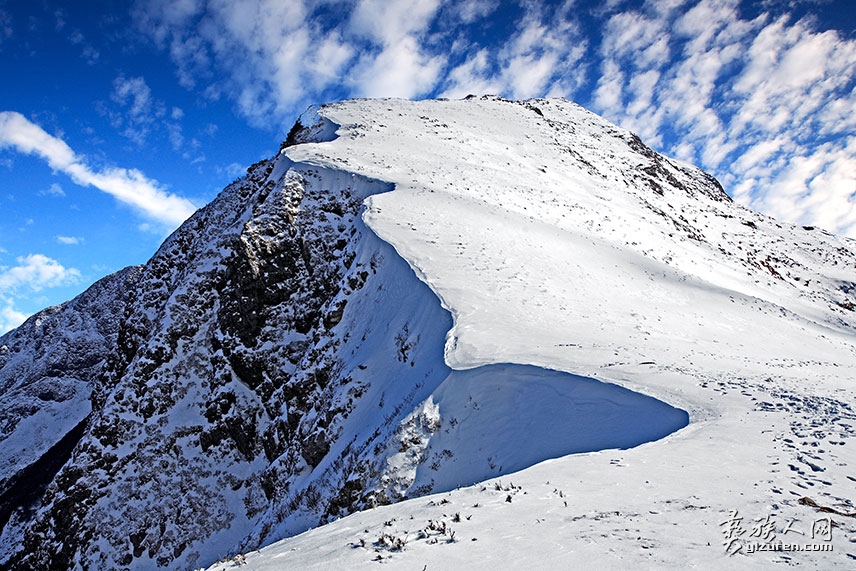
<point x="568" y="260"/>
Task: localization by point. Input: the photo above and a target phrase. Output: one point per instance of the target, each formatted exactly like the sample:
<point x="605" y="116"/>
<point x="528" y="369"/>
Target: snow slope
<point x="559" y="241"/>
<point x="512" y="318"/>
<point x="274" y="366"/>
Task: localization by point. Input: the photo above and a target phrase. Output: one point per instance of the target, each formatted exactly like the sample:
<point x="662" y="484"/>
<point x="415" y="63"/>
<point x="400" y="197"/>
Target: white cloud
<point x="608" y="96"/>
<point x="69" y="240"/>
<point x="789" y="98"/>
<point x="279" y="56"/>
<point x="133" y="93"/>
<point x="756" y="157"/>
<point x="814" y="188"/>
<point x="400" y="70"/>
<point x="129" y="186"/>
<point x="139" y="111"/>
<point x="544" y="57"/>
<point x="527" y="73"/>
<point x="635" y="56"/>
<point x="831" y="202"/>
<point x="398" y="64"/>
<point x="704" y="24"/>
<point x="270" y="53"/>
<point x="643" y="41"/>
<point x="389" y="22"/>
<point x="53" y="190"/>
<point x="473" y="77"/>
<point x="36" y="272"/>
<point x="791" y="74"/>
<point x="469" y="11"/>
<point x="766" y="104"/>
<point x="10" y="317"/>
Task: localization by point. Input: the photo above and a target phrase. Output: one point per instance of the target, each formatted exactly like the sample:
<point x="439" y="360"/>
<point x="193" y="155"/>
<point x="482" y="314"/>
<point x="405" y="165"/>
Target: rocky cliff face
<point x="214" y="382"/>
<point x="269" y="369"/>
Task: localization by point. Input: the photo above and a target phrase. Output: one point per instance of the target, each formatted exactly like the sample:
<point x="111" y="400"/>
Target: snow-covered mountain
<point x="419" y="298"/>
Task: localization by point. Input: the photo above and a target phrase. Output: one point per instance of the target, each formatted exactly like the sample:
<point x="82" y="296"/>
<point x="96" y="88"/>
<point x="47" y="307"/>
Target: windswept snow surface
<point x="559" y="241"/>
<point x="498" y="419"/>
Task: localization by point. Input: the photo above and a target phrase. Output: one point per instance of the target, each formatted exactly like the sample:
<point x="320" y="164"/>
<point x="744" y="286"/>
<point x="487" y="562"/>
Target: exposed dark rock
<point x="25" y="489"/>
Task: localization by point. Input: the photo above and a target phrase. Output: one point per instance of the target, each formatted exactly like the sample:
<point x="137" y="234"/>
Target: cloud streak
<point x="128" y="186"/>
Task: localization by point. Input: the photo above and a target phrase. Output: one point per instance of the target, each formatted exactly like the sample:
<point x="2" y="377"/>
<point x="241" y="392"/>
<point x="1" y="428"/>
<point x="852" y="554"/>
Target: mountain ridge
<point x="256" y="388"/>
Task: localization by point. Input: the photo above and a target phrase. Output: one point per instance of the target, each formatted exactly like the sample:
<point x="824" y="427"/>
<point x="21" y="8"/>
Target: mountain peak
<point x="416" y="296"/>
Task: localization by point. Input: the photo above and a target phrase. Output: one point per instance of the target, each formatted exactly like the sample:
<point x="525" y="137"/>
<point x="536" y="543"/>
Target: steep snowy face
<point x="556" y="237"/>
<point x="263" y="360"/>
<point x="226" y="380"/>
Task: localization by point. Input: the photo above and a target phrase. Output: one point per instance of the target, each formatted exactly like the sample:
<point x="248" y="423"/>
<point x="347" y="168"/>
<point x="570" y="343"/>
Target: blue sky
<point x="117" y="119"/>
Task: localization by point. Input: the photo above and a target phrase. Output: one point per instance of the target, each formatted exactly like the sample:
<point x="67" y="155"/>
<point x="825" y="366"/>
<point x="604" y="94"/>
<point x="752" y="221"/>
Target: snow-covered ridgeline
<point x="559" y="240"/>
<point x="540" y="225"/>
<point x="278" y="364"/>
<point x="267" y="372"/>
